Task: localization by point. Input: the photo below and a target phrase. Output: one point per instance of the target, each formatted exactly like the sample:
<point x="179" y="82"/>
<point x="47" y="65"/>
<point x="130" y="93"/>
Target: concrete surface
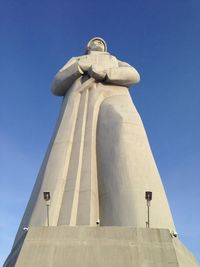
<point x="64" y="246"/>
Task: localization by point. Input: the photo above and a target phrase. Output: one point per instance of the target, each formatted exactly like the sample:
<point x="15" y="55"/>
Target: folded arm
<point x="124" y="75"/>
<point x="65" y="77"/>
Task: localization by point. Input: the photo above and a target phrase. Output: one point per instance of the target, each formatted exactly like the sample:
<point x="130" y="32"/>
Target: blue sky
<point x="160" y="38"/>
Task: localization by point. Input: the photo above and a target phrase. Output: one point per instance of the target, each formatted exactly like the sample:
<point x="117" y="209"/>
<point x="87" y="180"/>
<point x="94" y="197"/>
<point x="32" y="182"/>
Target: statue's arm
<point x="65" y="77"/>
<point x="124" y="75"/>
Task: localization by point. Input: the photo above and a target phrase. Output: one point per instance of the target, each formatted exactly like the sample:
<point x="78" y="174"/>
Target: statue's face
<point x="97" y="45"/>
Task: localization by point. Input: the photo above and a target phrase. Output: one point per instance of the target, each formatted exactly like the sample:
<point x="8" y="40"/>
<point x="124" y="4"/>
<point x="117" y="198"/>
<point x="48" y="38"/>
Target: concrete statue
<point x="99" y="164"/>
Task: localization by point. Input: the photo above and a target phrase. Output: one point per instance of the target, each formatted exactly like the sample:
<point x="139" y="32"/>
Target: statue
<point x="99" y="163"/>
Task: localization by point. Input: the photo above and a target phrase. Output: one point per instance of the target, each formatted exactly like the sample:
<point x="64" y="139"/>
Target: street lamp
<point x="148" y="197"/>
<point x="47" y="197"/>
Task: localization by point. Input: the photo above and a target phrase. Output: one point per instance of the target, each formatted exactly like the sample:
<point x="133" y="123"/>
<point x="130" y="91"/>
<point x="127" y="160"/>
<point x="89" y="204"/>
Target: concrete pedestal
<point x="101" y="246"/>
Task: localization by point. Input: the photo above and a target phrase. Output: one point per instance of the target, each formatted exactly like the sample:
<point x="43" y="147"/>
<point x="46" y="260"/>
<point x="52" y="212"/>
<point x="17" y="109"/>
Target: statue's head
<point x="96" y="44"/>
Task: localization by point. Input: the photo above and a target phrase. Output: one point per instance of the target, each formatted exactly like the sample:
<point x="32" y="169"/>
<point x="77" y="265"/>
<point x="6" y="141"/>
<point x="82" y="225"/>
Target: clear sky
<point x="160" y="38"/>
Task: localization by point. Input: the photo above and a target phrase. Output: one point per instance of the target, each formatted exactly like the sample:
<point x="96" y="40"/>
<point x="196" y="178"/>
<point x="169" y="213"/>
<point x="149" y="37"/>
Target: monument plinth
<point x="61" y="246"/>
<point x="97" y="168"/>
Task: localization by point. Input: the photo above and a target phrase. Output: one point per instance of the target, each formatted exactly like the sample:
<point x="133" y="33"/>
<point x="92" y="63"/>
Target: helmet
<point x="88" y="48"/>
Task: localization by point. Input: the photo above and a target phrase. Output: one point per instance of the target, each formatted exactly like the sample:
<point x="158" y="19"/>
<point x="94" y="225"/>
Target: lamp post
<point x="47" y="197"/>
<point x="148" y="197"/>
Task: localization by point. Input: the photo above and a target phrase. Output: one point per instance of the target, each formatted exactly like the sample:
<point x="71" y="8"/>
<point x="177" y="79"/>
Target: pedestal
<point x="64" y="246"/>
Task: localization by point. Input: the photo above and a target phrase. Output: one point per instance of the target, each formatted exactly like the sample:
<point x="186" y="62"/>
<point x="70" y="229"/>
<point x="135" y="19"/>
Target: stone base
<point x="101" y="246"/>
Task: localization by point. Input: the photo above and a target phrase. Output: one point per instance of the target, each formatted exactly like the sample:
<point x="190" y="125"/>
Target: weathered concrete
<point x="102" y="246"/>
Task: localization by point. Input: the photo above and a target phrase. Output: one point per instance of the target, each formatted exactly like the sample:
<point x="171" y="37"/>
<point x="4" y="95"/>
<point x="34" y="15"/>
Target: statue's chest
<point x="105" y="61"/>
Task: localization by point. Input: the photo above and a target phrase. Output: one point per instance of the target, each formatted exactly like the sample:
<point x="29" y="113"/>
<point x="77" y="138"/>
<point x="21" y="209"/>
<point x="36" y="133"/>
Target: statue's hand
<point x="84" y="65"/>
<point x="97" y="73"/>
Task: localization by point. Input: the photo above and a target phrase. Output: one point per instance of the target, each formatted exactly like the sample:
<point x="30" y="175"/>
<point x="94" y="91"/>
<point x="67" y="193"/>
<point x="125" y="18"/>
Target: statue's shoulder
<point x="92" y="55"/>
